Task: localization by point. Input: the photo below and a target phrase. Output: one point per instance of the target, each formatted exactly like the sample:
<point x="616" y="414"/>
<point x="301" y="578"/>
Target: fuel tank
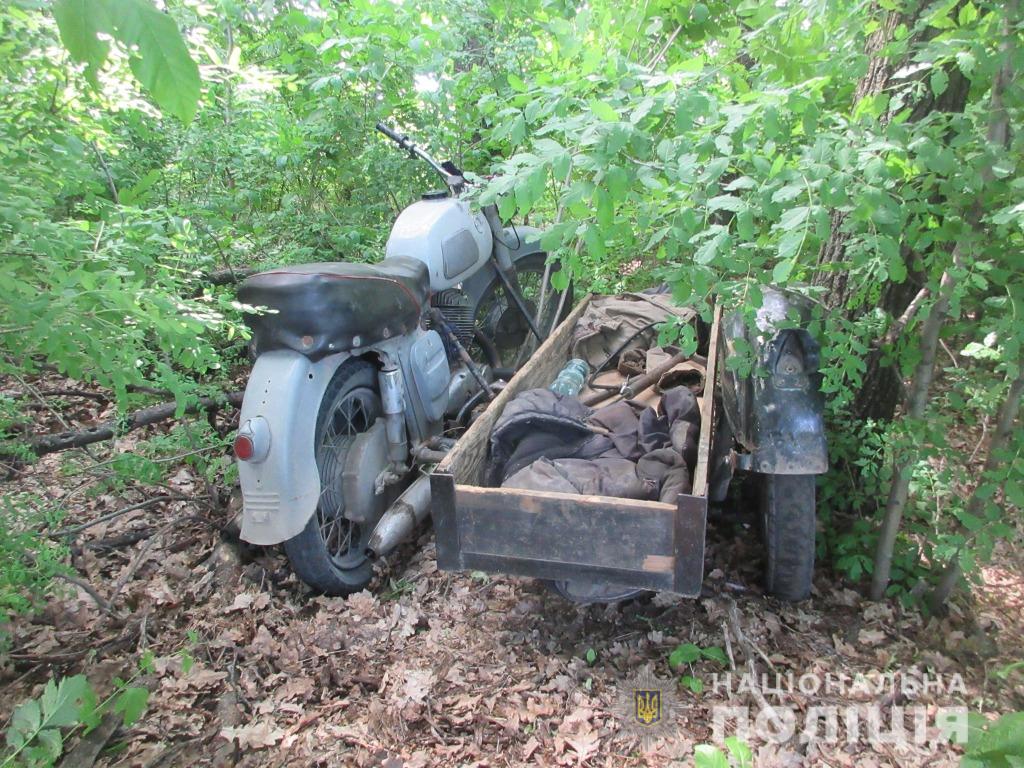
<point x="445" y="235"/>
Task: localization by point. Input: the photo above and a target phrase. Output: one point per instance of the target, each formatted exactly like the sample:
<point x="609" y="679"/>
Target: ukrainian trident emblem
<point x="647" y="706"/>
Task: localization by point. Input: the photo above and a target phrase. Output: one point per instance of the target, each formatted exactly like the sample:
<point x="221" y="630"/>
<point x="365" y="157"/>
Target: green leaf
<point x="162" y="64"/>
<point x="939" y="81"/>
<point x="79" y="22"/>
<point x="793" y="218"/>
<point x="714" y="653"/>
<point x="591" y="656"/>
<point x="707" y="756"/>
<point x="726" y="203"/>
<point x="789" y="244"/>
<point x="740" y="752"/>
<point x="604" y="111"/>
<point x="968" y="14"/>
<point x="516" y="82"/>
<point x="692" y="683"/>
<point x="782" y="271"/>
<point x="687" y="653"/>
<point x="131" y="703"/>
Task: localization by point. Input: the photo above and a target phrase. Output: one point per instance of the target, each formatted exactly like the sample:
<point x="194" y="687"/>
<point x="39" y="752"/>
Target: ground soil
<point x="432" y="668"/>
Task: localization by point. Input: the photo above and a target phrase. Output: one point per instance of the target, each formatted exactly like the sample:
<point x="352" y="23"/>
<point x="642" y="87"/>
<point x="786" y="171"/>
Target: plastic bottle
<point x="571" y="379"/>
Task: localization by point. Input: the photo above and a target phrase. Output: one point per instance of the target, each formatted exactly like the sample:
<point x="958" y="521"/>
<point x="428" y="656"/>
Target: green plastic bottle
<point x="571" y="379"/>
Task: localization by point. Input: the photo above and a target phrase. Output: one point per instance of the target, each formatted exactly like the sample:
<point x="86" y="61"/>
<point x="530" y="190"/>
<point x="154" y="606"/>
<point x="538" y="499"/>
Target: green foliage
<point x="685" y="655"/>
<point x="715" y="146"/>
<point x="737" y="755"/>
<point x="159" y="58"/>
<point x="994" y="744"/>
<point x="28" y="560"/>
<point x="39" y="727"/>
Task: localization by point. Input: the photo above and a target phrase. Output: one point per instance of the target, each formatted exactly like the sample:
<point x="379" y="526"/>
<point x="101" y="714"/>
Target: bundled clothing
<point x="548" y="442"/>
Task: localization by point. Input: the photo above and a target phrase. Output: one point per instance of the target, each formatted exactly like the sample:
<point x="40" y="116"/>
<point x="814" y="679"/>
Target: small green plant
<point x="40" y="727"/>
<point x="29" y="561"/>
<point x="397" y="588"/>
<point x="737" y="755"/>
<point x="688" y="654"/>
<point x="994" y="744"/>
<point x="590" y="657"/>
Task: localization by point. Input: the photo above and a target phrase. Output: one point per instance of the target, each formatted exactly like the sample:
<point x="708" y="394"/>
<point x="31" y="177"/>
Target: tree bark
<point x="899" y="491"/>
<point x="882" y="388"/>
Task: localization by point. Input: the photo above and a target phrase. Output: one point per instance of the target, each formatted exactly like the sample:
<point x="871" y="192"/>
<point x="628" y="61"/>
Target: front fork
<point x="505" y="269"/>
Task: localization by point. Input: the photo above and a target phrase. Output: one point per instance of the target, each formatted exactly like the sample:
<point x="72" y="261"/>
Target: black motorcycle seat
<point x="319" y="309"/>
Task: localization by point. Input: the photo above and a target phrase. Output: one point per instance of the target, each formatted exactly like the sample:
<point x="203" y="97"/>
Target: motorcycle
<point x="361" y="368"/>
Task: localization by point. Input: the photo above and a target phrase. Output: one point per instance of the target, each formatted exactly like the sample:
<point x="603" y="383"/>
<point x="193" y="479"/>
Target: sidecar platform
<point x="636" y="544"/>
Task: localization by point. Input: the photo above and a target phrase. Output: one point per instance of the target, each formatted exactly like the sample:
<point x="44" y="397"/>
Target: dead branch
<point x="107" y="430"/>
<point x="116" y="513"/>
<point x="908" y="314"/>
<point x="227" y="276"/>
<point x="732" y="617"/>
<point x="97" y="598"/>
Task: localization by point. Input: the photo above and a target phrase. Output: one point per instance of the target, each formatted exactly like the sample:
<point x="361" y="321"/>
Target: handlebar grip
<point x="390" y="133"/>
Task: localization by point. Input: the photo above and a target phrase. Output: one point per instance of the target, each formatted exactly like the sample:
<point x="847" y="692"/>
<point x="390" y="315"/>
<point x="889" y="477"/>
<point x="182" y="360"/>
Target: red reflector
<point x="244" y="448"/>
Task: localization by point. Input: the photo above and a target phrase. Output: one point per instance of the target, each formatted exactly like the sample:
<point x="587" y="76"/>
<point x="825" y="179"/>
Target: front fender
<point x="280" y="492"/>
<point x="776" y="412"/>
<point x="520" y="241"/>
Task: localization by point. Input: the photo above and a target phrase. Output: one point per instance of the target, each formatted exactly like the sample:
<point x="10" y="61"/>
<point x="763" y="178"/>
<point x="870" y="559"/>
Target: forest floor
<point x="432" y="668"/>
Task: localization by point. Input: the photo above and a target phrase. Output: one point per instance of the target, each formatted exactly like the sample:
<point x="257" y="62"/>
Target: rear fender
<point x="280" y="491"/>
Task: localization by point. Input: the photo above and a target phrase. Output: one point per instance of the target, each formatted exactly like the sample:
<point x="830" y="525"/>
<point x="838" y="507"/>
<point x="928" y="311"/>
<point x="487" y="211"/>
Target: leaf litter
<point x="451" y="668"/>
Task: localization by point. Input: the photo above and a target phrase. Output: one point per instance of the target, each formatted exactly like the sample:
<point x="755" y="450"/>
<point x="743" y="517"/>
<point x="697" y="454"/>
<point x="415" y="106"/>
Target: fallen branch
<point x="227" y="276"/>
<point x="732" y="617"/>
<point x="107" y="430"/>
<point x="97" y="598"/>
<point x="71" y="531"/>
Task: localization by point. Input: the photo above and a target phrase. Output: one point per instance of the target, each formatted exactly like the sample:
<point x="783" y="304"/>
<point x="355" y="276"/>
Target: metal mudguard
<point x="280" y="493"/>
<point x="519" y="241"/>
<point x="775" y="412"/>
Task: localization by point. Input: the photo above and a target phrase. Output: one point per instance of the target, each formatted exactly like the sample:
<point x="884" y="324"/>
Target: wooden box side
<point x="465" y="462"/>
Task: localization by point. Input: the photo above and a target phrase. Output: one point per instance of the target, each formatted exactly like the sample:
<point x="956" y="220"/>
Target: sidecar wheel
<point x="330" y="553"/>
<point x="788" y="526"/>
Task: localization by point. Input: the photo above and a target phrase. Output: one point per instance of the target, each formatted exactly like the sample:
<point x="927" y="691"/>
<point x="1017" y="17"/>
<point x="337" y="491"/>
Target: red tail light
<point x="244" y="448"/>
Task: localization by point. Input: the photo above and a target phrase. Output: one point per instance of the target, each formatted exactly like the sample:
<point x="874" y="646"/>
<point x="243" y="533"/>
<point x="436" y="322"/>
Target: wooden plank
<point x="446" y="528"/>
<point x="707" y="412"/>
<point x="585" y="534"/>
<point x="519" y="565"/>
<point x="688" y="550"/>
<point x="536" y="501"/>
<point x="466" y="460"/>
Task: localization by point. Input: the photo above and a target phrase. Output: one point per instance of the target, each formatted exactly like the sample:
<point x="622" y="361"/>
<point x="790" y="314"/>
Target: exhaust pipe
<point x="401" y="518"/>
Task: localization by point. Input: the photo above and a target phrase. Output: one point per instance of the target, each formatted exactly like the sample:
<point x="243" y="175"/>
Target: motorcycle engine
<point x="456" y="307"/>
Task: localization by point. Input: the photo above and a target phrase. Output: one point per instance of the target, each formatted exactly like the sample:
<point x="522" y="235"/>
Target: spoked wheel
<point x="500" y="320"/>
<point x="330" y="553"/>
<point x="788" y="526"/>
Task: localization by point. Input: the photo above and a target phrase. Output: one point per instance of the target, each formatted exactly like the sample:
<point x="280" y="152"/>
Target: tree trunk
<point x="899" y="491"/>
<point x="882" y="388"/>
<point x="998" y="133"/>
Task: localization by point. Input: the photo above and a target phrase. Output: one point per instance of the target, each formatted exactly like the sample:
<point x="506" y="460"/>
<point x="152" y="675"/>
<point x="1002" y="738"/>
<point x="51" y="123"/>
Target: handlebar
<point x="455" y="182"/>
<point x="396" y="137"/>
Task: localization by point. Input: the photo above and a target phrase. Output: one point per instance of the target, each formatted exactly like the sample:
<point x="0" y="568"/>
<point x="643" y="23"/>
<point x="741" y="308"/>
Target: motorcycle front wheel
<point x="498" y="318"/>
<point x="330" y="553"/>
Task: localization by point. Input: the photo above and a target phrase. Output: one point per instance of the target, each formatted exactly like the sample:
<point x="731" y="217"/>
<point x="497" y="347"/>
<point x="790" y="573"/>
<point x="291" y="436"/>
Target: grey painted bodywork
<point x="279" y="493"/>
<point x="775" y="413"/>
<point x="285" y="389"/>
